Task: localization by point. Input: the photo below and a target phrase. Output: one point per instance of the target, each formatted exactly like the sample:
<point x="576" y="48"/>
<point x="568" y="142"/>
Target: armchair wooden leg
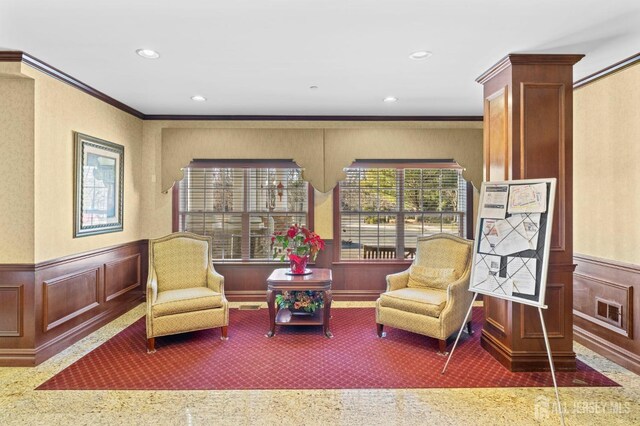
<point x="151" y="345"/>
<point x="469" y="328"/>
<point x="224" y="333"/>
<point x="380" y="332"/>
<point x="442" y="346"/>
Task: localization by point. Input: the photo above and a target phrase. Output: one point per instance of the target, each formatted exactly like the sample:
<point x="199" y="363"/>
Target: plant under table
<point x="319" y="280"/>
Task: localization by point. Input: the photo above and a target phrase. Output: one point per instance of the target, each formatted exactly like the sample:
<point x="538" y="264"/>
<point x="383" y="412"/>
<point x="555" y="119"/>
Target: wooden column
<point x="528" y="119"/>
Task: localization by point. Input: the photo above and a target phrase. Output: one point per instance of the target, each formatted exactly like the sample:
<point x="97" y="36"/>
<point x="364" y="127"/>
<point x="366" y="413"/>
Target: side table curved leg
<point x="328" y="297"/>
<point x="271" y="304"/>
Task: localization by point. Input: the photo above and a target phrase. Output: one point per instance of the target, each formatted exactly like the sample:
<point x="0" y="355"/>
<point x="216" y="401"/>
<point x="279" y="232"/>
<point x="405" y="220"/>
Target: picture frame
<point x="99" y="186"/>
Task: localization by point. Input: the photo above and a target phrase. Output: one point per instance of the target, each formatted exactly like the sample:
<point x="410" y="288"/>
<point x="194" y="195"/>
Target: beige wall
<point x="42" y="150"/>
<point x="607" y="167"/>
<point x="16" y="167"/>
<point x="38" y="115"/>
<point x="398" y="140"/>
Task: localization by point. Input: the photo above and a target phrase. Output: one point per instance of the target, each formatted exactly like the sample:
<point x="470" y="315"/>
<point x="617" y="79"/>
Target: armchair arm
<point x="458" y="289"/>
<point x="152" y="295"/>
<point x="215" y="281"/>
<point x="152" y="288"/>
<point x="458" y="300"/>
<point x="398" y="280"/>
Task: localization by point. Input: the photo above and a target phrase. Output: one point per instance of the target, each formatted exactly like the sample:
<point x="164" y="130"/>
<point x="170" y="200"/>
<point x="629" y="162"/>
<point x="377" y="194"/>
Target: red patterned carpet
<point x="297" y="358"/>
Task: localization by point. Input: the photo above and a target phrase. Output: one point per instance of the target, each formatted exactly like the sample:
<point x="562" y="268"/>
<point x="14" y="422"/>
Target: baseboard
<point x="245" y="296"/>
<point x="527" y="361"/>
<point x="356" y="295"/>
<point x="32" y="357"/>
<point x="17" y="357"/>
<point x="63" y="341"/>
<point x="620" y="356"/>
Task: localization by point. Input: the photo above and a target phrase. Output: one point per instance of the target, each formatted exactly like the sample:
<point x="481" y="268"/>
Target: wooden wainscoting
<point x="351" y="280"/>
<point x="48" y="306"/>
<point x="606" y="309"/>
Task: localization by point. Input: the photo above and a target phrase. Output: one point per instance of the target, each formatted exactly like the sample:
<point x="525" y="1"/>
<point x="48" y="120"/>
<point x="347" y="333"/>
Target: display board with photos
<point x="513" y="234"/>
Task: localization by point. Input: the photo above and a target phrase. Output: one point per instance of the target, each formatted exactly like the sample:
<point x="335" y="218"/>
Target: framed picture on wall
<point x="99" y="180"/>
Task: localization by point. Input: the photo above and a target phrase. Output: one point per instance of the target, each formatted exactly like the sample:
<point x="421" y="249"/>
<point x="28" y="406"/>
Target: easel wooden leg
<point x="553" y="373"/>
<point x="466" y="318"/>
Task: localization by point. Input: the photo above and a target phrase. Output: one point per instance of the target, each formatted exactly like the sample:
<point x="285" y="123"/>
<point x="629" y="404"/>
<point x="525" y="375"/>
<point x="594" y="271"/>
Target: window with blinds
<point x="383" y="210"/>
<point x="240" y="208"/>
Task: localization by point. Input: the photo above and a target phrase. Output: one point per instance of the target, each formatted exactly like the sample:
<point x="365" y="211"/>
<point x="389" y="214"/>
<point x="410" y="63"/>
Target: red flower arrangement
<point x="297" y="241"/>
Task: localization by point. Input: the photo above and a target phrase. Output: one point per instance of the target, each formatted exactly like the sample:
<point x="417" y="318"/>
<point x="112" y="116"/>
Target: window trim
<point x="398" y="164"/>
<point x="241" y="164"/>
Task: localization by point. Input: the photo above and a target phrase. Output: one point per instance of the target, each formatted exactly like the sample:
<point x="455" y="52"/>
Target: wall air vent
<point x="608" y="311"/>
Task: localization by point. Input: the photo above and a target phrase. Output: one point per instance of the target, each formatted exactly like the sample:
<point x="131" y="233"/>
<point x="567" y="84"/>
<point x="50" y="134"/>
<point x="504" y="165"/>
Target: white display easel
<point x="494" y="285"/>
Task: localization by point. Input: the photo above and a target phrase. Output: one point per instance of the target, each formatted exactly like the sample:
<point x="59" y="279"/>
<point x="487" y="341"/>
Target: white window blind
<point x="383" y="210"/>
<point x="240" y="208"/>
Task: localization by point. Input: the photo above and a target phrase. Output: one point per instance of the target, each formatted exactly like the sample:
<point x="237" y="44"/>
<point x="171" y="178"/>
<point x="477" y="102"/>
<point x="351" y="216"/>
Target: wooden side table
<point x="318" y="280"/>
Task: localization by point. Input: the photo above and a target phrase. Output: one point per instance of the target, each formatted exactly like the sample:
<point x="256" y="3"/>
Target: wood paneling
<point x="68" y="296"/>
<point x="543" y="144"/>
<point x="11" y="302"/>
<point x="351" y="280"/>
<point x="121" y="276"/>
<point x="552" y="315"/>
<point x="496" y="140"/>
<point x="62" y="300"/>
<point x="619" y="283"/>
<point x="621" y="296"/>
<point x="539" y="122"/>
<point x="494" y="312"/>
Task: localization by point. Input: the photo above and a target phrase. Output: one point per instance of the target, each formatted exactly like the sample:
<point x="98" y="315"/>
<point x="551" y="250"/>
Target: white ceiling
<point x="259" y="57"/>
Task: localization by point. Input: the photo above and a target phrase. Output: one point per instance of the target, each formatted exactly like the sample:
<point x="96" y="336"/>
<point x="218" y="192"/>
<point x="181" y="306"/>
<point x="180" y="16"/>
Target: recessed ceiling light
<point x="390" y="99"/>
<point x="198" y="98"/>
<point x="420" y="55"/>
<point x="148" y="53"/>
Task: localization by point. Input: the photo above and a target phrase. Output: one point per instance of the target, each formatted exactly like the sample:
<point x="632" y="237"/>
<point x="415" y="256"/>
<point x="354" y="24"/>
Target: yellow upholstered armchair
<point x="431" y="297"/>
<point x="184" y="292"/>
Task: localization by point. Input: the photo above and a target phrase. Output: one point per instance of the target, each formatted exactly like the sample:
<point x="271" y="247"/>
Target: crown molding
<point x="11" y="56"/>
<point x="19" y="56"/>
<point x="315" y="117"/>
<point x="527" y="59"/>
<point x="618" y="66"/>
<point x="513" y="58"/>
<point x="25" y="58"/>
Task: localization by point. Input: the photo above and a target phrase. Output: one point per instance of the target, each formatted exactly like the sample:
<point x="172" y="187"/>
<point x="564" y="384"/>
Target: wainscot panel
<point x="46" y="307"/>
<point x="606" y="309"/>
<point x="351" y="280"/>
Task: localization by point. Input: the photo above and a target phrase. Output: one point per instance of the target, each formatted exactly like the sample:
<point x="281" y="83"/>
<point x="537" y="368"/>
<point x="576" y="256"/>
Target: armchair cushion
<point x="425" y="277"/>
<point x="172" y="302"/>
<point x="424" y="301"/>
<point x="442" y="254"/>
<point x="181" y="263"/>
